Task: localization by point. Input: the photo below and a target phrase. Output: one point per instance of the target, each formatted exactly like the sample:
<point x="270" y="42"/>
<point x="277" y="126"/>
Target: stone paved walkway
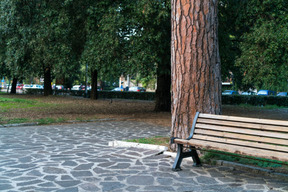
<point x="76" y="157"/>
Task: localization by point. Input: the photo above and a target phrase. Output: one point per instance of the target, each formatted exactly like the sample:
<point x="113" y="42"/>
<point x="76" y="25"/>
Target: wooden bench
<point x="245" y="136"/>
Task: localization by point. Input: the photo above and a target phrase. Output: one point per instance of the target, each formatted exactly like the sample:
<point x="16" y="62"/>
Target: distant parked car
<point x="282" y="94"/>
<point x="137" y="89"/>
<point x="230" y="92"/>
<point x="20" y="86"/>
<point x="266" y="92"/>
<point x="116" y="89"/>
<point x="248" y="93"/>
<point x="27" y="87"/>
<point x="59" y="87"/>
<point x="76" y="87"/>
<point x="35" y="86"/>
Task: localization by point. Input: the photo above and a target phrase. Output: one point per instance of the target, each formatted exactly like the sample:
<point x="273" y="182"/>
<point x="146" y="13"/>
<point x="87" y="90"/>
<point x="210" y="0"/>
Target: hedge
<point x="127" y="95"/>
<point x="226" y="99"/>
<point x="101" y="94"/>
<point x="255" y="100"/>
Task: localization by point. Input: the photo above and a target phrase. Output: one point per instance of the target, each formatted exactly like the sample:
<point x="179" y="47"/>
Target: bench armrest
<point x="172" y="139"/>
<point x="193" y="126"/>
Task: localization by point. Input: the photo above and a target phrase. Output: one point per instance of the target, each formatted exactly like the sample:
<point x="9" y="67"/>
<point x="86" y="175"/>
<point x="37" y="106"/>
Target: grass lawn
<point x="16" y="110"/>
<point x="59" y="109"/>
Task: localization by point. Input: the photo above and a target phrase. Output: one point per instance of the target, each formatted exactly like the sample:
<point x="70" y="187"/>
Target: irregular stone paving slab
<point x="77" y="157"/>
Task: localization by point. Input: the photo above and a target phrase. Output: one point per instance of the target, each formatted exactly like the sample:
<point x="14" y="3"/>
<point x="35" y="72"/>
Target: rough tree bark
<point x="47" y="81"/>
<point x="195" y="63"/>
<point x="94" y="76"/>
<point x="14" y="86"/>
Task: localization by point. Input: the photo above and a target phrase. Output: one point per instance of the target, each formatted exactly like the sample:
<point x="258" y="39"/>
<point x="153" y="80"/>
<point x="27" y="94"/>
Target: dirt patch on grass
<point x="78" y="108"/>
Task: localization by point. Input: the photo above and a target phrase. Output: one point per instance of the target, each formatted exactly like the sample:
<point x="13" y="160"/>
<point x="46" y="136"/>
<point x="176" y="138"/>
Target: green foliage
<point x="104" y="49"/>
<point x="15" y="18"/>
<point x="149" y="41"/>
<point x="37" y="35"/>
<point x="148" y="81"/>
<point x="133" y="37"/>
<point x="228" y="36"/>
<point x="252" y="39"/>
<point x="51" y="44"/>
<point x="264" y="53"/>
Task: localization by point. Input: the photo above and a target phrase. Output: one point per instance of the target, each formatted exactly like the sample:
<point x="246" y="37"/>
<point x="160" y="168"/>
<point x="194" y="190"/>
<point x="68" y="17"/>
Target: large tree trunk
<point x="94" y="76"/>
<point x="47" y="81"/>
<point x="196" y="79"/>
<point x="14" y="85"/>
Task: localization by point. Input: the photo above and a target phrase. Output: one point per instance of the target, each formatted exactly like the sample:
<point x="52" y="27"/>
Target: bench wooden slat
<point x="243" y="131"/>
<point x="241" y="136"/>
<point x="244" y="125"/>
<point x="242" y="143"/>
<point x="244" y="119"/>
<point x="234" y="149"/>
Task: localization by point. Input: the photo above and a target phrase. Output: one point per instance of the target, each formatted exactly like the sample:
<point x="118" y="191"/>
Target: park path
<point x="76" y="157"/>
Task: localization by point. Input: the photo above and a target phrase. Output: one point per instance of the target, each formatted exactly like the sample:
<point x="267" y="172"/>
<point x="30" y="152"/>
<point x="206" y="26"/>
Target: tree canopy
<point x="133" y="37"/>
<point x="264" y="53"/>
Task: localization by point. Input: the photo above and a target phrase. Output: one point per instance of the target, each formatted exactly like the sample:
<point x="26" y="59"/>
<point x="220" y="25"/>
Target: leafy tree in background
<point x="229" y="39"/>
<point x="52" y="39"/>
<point x="78" y="15"/>
<point x="50" y="42"/>
<point x="264" y="52"/>
<point x="125" y="37"/>
<point x="34" y="33"/>
<point x="149" y="45"/>
<point x="14" y="28"/>
<point x="103" y="50"/>
<point x="3" y="67"/>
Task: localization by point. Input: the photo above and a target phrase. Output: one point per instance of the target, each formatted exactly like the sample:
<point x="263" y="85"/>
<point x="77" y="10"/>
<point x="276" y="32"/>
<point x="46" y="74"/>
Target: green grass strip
<point x="157" y="140"/>
<point x="45" y="121"/>
<point x="211" y="155"/>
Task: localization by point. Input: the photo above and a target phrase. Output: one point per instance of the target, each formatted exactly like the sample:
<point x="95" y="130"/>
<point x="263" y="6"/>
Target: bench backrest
<point x="246" y="136"/>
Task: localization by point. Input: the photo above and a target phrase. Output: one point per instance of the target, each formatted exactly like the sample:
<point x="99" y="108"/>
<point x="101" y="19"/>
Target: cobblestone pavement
<point x="76" y="157"/>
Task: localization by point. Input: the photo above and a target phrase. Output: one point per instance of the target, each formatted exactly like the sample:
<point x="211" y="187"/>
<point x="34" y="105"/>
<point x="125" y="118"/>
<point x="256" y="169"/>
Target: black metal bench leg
<point x="178" y="159"/>
<point x="195" y="158"/>
<point x="180" y="155"/>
